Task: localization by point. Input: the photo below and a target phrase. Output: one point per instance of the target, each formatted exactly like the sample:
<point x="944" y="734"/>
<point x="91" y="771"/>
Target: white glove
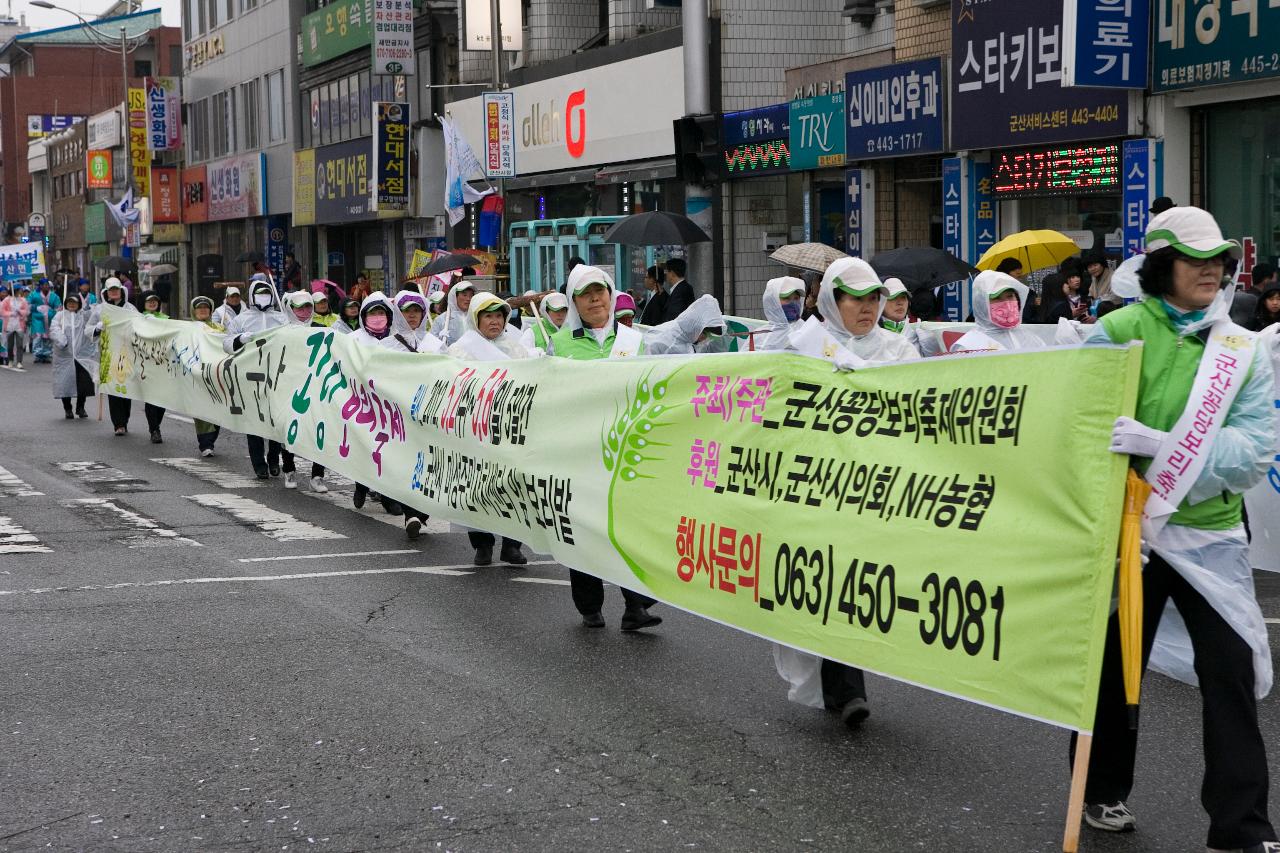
<point x="1134" y="438"/>
<point x="845" y="360"/>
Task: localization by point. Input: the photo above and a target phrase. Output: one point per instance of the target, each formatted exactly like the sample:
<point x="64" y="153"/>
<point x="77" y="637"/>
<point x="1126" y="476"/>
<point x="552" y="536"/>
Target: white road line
<point x="1272" y="621"/>
<point x="278" y="525"/>
<point x="553" y="581"/>
<point x="334" y="555"/>
<point x="102" y="477"/>
<point x="14" y="487"/>
<point x="372" y="510"/>
<point x="18" y="540"/>
<point x="440" y="570"/>
<point x="138" y="530"/>
<point x="210" y="473"/>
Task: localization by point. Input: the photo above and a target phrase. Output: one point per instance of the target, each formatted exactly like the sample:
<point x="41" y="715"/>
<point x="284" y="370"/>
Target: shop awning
<point x="644" y="170"/>
<point x="553" y="179"/>
<point x="158" y="255"/>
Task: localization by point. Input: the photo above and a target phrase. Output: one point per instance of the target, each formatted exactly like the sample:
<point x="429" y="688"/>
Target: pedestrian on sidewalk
<point x="113" y="293"/>
<point x="260" y="315"/>
<point x="1199" y="559"/>
<point x="15" y="314"/>
<point x="590" y="332"/>
<point x="75" y="356"/>
<point x="155" y="414"/>
<point x="202" y="312"/>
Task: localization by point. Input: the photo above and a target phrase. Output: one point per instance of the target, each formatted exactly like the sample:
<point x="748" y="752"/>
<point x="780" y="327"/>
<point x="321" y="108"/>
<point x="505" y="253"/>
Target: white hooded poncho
<point x="475" y="346"/>
<point x="680" y="336"/>
<point x="362" y="335"/>
<point x="452" y="324"/>
<point x="405" y="339"/>
<point x="73" y="343"/>
<point x="878" y="346"/>
<point x="253" y="320"/>
<point x="776" y="338"/>
<point x="985" y="284"/>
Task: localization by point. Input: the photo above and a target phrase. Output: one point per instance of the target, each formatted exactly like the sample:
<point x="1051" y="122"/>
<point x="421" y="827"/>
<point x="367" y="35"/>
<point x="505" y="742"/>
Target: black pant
<point x="287" y="465"/>
<point x="588" y="593"/>
<point x="391" y="507"/>
<point x="155" y="415"/>
<point x="66" y="404"/>
<point x="206" y="440"/>
<point x="1234" y="789"/>
<point x="841" y="684"/>
<point x="480" y="538"/>
<point x="263" y="454"/>
<point x="121" y="408"/>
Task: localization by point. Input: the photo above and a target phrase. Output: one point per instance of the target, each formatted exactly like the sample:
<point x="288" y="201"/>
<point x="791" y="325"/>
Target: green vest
<point x="1169" y="365"/>
<point x="581" y="345"/>
<point x="542" y="330"/>
<point x="323" y="319"/>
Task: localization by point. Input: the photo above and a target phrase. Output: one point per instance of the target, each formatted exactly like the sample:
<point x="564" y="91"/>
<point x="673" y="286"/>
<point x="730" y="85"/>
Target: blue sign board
<point x="1105" y="43"/>
<point x="1006" y="80"/>
<point x="759" y="125"/>
<point x="894" y="110"/>
<point x="817" y="132"/>
<point x="21" y="261"/>
<point x="853" y="213"/>
<point x="952" y="234"/>
<point x="277" y="238"/>
<point x="1205" y="44"/>
<point x="983" y="224"/>
<point x="1136" y="180"/>
<point x="391" y="155"/>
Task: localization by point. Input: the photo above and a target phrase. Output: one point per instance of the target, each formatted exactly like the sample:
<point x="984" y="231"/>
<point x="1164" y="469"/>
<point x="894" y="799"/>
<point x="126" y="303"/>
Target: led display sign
<point x="757" y="158"/>
<point x="1068" y="170"/>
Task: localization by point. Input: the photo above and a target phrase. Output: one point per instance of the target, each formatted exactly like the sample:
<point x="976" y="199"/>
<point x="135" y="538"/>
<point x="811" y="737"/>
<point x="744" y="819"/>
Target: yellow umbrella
<point x="1033" y="249"/>
<point x="1136" y="491"/>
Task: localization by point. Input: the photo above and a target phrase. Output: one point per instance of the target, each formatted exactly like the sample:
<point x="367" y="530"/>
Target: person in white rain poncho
<point x="113" y="293"/>
<point x="260" y="315"/>
<point x="896" y="305"/>
<point x="452" y="324"/>
<point x="553" y="310"/>
<point x="998" y="302"/>
<point x="487" y="338"/>
<point x="409" y="332"/>
<point x="783" y="307"/>
<point x="376" y="321"/>
<point x="691" y="332"/>
<point x="1202" y="434"/>
<point x="850" y="300"/>
<point x="229" y="309"/>
<point x="75" y="355"/>
<point x="299" y="310"/>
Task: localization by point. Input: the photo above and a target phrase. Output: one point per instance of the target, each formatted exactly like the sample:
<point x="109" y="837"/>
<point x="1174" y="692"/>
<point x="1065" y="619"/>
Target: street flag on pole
<point x="124" y="213"/>
<point x="460" y="165"/>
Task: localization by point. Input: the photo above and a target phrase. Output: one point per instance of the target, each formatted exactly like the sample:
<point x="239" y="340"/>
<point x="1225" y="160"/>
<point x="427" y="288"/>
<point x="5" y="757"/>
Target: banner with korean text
<point x="940" y="522"/>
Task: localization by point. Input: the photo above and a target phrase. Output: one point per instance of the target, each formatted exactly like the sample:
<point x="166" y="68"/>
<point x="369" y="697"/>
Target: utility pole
<point x="697" y="101"/>
<point x="495" y="38"/>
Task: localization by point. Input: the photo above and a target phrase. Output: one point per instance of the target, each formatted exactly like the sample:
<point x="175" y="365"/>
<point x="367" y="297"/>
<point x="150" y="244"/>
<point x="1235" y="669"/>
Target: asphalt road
<point x="176" y="677"/>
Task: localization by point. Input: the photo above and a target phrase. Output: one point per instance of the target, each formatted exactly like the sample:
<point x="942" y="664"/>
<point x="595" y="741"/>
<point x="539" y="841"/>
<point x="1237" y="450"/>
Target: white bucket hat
<point x="1191" y="231"/>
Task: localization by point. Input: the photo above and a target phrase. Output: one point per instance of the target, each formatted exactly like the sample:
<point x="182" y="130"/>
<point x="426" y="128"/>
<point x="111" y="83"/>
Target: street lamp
<point x="102" y="40"/>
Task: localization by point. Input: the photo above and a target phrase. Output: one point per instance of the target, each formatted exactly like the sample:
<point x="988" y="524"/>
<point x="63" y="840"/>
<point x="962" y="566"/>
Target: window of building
<point x="214" y="9"/>
<point x="230" y="9"/>
<point x="218" y="125"/>
<point x="276" y="107"/>
<point x="344" y="117"/>
<point x="189" y="19"/>
<point x="248" y="5"/>
<point x="366" y="104"/>
<point x="142" y="68"/>
<point x="198" y="131"/>
<point x="335" y="107"/>
<point x="251" y="115"/>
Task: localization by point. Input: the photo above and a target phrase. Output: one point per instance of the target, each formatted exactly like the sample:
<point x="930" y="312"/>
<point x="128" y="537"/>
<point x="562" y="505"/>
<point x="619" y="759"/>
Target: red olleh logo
<point x="577" y="102"/>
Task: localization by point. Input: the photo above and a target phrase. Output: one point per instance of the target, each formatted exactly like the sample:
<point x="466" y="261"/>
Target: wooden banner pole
<point x="1075" y="802"/>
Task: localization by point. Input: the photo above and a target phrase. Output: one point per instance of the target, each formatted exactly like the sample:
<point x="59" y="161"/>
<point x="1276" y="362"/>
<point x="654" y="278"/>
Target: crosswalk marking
<point x="125" y="526"/>
<point x="18" y="540"/>
<point x="101" y="477"/>
<point x="210" y="473"/>
<point x="373" y="509"/>
<point x="333" y="556"/>
<point x="278" y="525"/>
<point x="14" y="487"/>
<point x="552" y="581"/>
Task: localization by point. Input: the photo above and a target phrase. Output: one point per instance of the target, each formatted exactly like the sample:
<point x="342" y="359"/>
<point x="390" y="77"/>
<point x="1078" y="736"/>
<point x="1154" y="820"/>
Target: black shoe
<point x="854" y="712"/>
<point x="120" y="431"/>
<point x="593" y="620"/>
<point x="261" y="473"/>
<point x="512" y="556"/>
<point x="81" y="413"/>
<point x="484" y="555"/>
<point x="274" y="469"/>
<point x="412" y="527"/>
<point x="155" y="437"/>
<point x="635" y="618"/>
<point x="360" y="494"/>
<point x="68" y="415"/>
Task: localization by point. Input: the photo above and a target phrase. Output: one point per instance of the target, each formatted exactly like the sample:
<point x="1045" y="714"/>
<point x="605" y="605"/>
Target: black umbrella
<point x="113" y="263"/>
<point x="656" y="228"/>
<point x="448" y="263"/>
<point x="921" y="267"/>
<point x="253" y="256"/>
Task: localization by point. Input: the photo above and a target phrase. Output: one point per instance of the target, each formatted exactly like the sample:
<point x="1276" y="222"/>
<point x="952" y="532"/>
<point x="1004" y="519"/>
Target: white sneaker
<point x="290" y="481"/>
<point x="19" y="367"/>
<point x="1110" y="817"/>
<point x="207" y="452"/>
<point x="317" y="485"/>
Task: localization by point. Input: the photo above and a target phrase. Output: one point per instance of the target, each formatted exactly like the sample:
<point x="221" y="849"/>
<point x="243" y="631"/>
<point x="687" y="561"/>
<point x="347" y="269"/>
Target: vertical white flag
<point x="460" y="164"/>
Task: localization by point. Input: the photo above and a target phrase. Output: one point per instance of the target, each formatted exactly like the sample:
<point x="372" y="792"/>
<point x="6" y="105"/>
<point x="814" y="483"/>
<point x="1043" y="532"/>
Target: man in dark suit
<point x="679" y="292"/>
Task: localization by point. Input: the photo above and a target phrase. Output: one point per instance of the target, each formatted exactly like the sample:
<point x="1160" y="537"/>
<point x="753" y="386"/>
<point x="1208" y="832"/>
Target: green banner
<point x="950" y="523"/>
<point x="336" y="29"/>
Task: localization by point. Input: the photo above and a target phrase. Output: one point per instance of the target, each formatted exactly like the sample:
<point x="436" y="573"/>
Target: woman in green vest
<point x="590" y="332"/>
<point x="554" y="308"/>
<point x="1203" y="434"/>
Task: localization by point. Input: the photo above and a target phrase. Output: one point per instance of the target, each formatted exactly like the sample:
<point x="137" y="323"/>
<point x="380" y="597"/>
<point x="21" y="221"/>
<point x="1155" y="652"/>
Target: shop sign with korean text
<point x="953" y="204"/>
<point x="817" y="132"/>
<point x="499" y="134"/>
<point x="393" y="37"/>
<point x="195" y="194"/>
<point x="237" y="187"/>
<point x="336" y="29"/>
<point x="139" y="154"/>
<point x="1138" y="177"/>
<point x="894" y="111"/>
<point x="1006" y="80"/>
<point x="98" y="169"/>
<point x="166" y="195"/>
<point x="756" y="142"/>
<point x="44" y="125"/>
<point x="164" y="114"/>
<point x="21" y="261"/>
<point x="1210" y="43"/>
<point x="341" y="187"/>
<point x="1104" y="43"/>
<point x="982" y="206"/>
<point x="391" y="155"/>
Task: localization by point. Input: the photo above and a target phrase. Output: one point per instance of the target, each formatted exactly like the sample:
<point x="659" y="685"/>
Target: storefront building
<point x="223" y="204"/>
<point x="1216" y="94"/>
<point x="65" y="156"/>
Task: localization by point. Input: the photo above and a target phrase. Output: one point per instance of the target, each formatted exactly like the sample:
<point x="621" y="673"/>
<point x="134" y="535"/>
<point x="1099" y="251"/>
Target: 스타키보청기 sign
<point x="891" y="518"/>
